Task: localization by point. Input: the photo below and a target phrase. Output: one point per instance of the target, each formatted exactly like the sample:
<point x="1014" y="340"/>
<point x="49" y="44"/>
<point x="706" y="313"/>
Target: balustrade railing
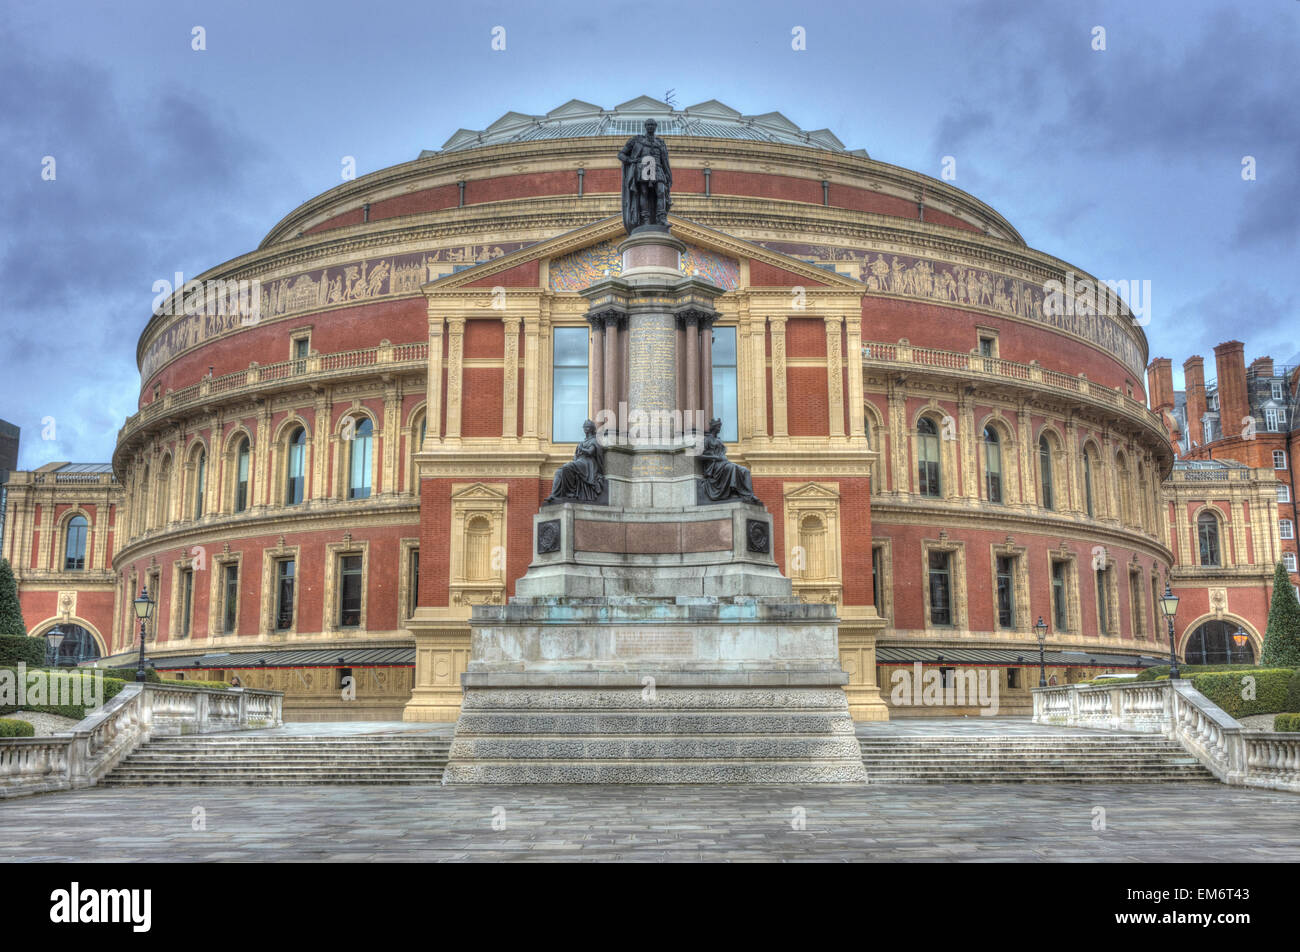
<point x="1183" y="714"/>
<point x="82" y="756"/>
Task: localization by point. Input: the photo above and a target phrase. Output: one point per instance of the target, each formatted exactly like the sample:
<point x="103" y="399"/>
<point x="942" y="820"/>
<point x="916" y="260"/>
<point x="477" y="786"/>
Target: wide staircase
<point x="285" y="760"/>
<point x="1025" y="758"/>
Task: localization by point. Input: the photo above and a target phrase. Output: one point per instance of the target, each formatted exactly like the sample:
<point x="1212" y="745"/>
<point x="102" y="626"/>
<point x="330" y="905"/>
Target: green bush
<point x="112" y="686"/>
<point x="11" y="612"/>
<point x="16" y="648"/>
<point x="13" y="728"/>
<point x="1186" y="670"/>
<point x="196" y="684"/>
<point x="1293" y="692"/>
<point x="1225" y="689"/>
<point x="128" y="674"/>
<point x="1282" y="640"/>
<point x="1286" y="723"/>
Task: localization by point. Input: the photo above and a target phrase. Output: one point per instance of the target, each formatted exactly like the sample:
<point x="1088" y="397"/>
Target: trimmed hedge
<point x="13" y="728"/>
<point x="1162" y="670"/>
<point x="197" y="684"/>
<point x="128" y="674"/>
<point x="1286" y="723"/>
<point x="1225" y="689"/>
<point x="16" y="648"/>
<point x="112" y="686"/>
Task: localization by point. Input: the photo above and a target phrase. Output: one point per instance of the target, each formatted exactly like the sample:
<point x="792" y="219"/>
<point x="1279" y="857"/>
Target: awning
<point x="1009" y="657"/>
<point x="358" y="657"/>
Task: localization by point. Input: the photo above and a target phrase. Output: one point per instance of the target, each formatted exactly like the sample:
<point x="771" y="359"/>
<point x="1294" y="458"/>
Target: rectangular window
<point x="1283" y="492"/>
<point x="986" y="346"/>
<point x="1274" y="419"/>
<point x="940" y="589"/>
<point x="877" y="579"/>
<point x="1006" y="592"/>
<point x="1285" y="529"/>
<point x="1135" y="605"/>
<point x="1276" y="388"/>
<point x="1060" y="613"/>
<point x="415" y="583"/>
<point x="1103" y="601"/>
<point x="187" y="601"/>
<point x="569" y="384"/>
<point x="349" y="591"/>
<point x="1288" y="559"/>
<point x="230" y="605"/>
<point x="724" y="383"/>
<point x="284" y="573"/>
<point x="1279" y="459"/>
<point x="1013" y="677"/>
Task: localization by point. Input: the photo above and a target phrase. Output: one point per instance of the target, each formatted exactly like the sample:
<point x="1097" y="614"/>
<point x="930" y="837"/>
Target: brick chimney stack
<point x="1160" y="391"/>
<point x="1194" y="383"/>
<point x="1234" y="402"/>
<point x="1261" y="367"/>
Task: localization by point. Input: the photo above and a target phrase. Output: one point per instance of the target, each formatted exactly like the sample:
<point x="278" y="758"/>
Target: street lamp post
<point x="143" y="609"/>
<point x="1040" y="626"/>
<point x="54" y="638"/>
<point x="1169" y="605"/>
<point x="1239" y="638"/>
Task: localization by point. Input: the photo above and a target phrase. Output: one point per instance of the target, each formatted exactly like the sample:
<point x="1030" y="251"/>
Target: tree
<point x="1282" y="640"/>
<point x="11" y="613"/>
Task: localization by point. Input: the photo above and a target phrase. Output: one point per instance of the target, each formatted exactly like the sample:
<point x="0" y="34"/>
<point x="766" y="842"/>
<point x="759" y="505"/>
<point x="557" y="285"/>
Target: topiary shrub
<point x="30" y="651"/>
<point x="1227" y="687"/>
<point x="14" y="728"/>
<point x="1282" y="640"/>
<point x="1286" y="723"/>
<point x="11" y="612"/>
<point x="1159" y="671"/>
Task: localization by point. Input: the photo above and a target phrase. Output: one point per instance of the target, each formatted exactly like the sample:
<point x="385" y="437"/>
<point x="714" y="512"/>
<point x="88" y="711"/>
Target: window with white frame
<point x="1285" y="529"/>
<point x="1283" y="492"/>
<point x="1279" y="459"/>
<point x="1288" y="559"/>
<point x="1276" y="388"/>
<point x="1274" y="419"/>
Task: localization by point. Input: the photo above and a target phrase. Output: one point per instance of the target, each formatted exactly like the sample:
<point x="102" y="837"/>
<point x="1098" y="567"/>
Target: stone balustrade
<point x="82" y="756"/>
<point x="1180" y="712"/>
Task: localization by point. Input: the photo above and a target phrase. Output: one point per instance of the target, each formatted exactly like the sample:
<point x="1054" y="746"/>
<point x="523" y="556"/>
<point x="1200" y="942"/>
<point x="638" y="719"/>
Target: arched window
<point x="1045" y="473"/>
<point x="241" y="476"/>
<point x="295" y="468"/>
<point x="200" y="482"/>
<point x="992" y="465"/>
<point x="1213" y="643"/>
<point x="927" y="451"/>
<point x="1087" y="482"/>
<point x="74" y="548"/>
<point x="164" y="492"/>
<point x="1207" y="534"/>
<point x="359" y="466"/>
<point x="142" y="514"/>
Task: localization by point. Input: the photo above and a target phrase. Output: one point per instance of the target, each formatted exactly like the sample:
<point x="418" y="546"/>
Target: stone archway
<point x="1211" y="642"/>
<point x="79" y="645"/>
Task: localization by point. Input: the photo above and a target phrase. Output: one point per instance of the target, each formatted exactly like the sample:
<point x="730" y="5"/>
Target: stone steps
<point x="1055" y="758"/>
<point x="223" y="759"/>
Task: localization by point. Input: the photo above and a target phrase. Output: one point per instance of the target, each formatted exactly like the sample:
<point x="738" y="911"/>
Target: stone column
<point x="613" y="365"/>
<point x="706" y="368"/>
<point x="597" y="402"/>
<point x="510" y="381"/>
<point x="455" y="353"/>
<point x="780" y="426"/>
<point x="835" y="376"/>
<point x="433" y="389"/>
<point x="692" y="325"/>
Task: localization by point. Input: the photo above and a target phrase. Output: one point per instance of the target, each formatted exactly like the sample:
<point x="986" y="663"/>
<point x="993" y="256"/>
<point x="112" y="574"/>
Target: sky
<point x="1170" y="156"/>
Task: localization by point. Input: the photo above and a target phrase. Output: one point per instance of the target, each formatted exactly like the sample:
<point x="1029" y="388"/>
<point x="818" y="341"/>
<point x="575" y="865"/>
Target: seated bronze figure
<point x="582" y="479"/>
<point x="724" y="479"/>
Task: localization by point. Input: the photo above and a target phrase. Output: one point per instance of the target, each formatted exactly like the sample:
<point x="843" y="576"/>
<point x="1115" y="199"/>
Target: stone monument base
<point x="654" y="691"/>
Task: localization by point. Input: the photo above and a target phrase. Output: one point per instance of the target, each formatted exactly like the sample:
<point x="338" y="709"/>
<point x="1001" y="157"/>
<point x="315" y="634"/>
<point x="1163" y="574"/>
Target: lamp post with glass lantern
<point x="54" y="638"/>
<point x="1239" y="638"/>
<point x="1040" y="626"/>
<point x="1169" y="605"/>
<point x="143" y="609"/>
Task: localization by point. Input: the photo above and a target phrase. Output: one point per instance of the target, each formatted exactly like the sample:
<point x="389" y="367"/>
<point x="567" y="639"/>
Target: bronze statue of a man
<point x="647" y="180"/>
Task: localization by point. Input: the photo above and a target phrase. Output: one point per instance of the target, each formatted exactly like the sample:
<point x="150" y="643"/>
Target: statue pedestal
<point x="653" y="638"/>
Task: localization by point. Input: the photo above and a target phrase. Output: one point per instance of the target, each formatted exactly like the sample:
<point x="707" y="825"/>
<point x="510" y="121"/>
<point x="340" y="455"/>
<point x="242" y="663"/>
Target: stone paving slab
<point x="988" y="823"/>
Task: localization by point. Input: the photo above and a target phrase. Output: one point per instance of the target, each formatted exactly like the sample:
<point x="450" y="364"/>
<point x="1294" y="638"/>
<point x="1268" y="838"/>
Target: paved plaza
<point x="1185" y="822"/>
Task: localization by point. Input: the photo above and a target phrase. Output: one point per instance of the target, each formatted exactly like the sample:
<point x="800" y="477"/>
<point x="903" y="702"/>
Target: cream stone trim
<point x="956" y="578"/>
<point x="268" y="609"/>
<point x="1020" y="599"/>
<point x="217" y="593"/>
<point x="780" y="425"/>
<point x="471" y="584"/>
<point x="834" y="375"/>
<point x="510" y="380"/>
<point x="814" y="564"/>
<point x="175" y="620"/>
<point x="405" y="606"/>
<point x="455" y="354"/>
<point x="433" y="388"/>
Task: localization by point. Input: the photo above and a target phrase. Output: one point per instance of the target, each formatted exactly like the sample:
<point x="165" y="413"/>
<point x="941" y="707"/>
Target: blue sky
<point x="1126" y="162"/>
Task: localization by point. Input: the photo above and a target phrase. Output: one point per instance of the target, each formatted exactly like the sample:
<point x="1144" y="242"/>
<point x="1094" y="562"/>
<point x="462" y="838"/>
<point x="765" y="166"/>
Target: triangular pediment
<point x="478" y="492"/>
<point x="643" y="104"/>
<point x="712" y="250"/>
<point x="812" y="491"/>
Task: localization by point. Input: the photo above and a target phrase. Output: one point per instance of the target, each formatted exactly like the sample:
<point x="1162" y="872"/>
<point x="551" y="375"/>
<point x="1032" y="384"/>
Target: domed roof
<point x="577" y="118"/>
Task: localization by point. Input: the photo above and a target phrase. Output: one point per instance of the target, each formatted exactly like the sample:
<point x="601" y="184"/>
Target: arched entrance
<point x="78" y="646"/>
<point x="1211" y="643"/>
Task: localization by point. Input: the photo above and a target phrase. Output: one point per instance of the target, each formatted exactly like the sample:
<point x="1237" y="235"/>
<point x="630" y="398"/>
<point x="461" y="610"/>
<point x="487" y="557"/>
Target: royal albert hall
<point x="327" y="489"/>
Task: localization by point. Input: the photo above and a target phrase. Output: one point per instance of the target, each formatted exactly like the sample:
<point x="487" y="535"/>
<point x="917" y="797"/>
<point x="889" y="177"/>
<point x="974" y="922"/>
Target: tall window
<point x="1275" y="389"/>
<point x="1285" y="529"/>
<point x="187" y="601"/>
<point x="724" y="382"/>
<point x="1045" y="472"/>
<point x="1283" y="492"/>
<point x="1006" y="592"/>
<point x="284" y="577"/>
<point x="230" y="599"/>
<point x="414" y="587"/>
<point x="1274" y="420"/>
<point x="359" y="465"/>
<point x="1103" y="603"/>
<point x="241" y="476"/>
<point x="877" y="579"/>
<point x="349" y="591"/>
<point x="1207" y="534"/>
<point x="1288" y="559"/>
<point x="1279" y="459"/>
<point x="74" y="548"/>
<point x="569" y="384"/>
<point x="1087" y="482"/>
<point x="200" y="483"/>
<point x="940" y="589"/>
<point x="927" y="449"/>
<point x="1060" y="613"/>
<point x="296" y="468"/>
<point x="992" y="465"/>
